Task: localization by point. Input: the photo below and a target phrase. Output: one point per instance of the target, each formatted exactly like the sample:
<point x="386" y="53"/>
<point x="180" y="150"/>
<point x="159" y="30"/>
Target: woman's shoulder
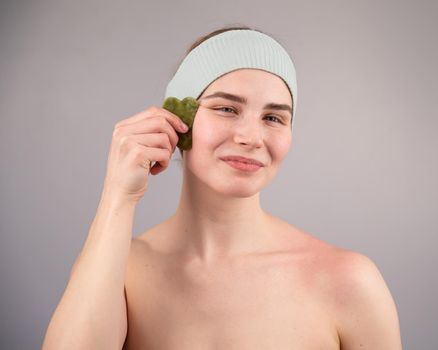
<point x="338" y="256"/>
<point x="154" y="240"/>
<point x="346" y="277"/>
<point x="343" y="266"/>
<point x="359" y="298"/>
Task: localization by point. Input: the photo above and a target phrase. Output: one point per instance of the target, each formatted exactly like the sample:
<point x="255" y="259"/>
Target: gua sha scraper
<point x="186" y="110"/>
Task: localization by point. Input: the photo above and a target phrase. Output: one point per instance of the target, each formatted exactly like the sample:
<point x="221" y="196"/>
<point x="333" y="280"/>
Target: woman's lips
<point x="242" y="166"/>
<point x="242" y="159"/>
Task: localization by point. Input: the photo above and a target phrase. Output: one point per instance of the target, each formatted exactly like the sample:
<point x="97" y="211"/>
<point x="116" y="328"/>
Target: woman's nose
<point x="248" y="132"/>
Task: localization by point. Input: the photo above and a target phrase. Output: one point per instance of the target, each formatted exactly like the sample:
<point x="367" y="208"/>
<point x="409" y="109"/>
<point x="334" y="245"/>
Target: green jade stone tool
<point x="186" y="110"/>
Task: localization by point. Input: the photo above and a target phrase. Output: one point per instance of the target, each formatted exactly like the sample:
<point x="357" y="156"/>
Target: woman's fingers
<point x="152" y="124"/>
<point x="152" y="112"/>
<point x="147" y="137"/>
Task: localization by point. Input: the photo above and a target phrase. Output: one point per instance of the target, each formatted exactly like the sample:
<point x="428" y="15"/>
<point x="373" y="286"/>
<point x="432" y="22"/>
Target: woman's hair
<point x="201" y="39"/>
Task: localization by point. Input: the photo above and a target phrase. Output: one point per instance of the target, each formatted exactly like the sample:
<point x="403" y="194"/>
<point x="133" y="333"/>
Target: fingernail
<point x="184" y="127"/>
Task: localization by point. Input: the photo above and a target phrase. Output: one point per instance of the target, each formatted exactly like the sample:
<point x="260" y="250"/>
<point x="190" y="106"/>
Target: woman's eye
<point x="222" y="108"/>
<point x="230" y="110"/>
<point x="278" y="120"/>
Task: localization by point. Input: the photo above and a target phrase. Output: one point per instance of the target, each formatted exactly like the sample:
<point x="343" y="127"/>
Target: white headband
<point x="229" y="51"/>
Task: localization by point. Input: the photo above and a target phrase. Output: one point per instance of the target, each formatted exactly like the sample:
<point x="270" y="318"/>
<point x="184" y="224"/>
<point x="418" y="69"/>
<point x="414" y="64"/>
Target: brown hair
<point x="201" y="39"/>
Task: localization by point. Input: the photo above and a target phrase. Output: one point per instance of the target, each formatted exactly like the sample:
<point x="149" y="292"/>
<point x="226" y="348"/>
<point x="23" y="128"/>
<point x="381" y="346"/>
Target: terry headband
<point x="229" y="51"/>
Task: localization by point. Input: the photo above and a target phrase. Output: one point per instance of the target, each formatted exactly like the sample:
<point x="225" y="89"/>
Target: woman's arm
<point x="367" y="314"/>
<point x="92" y="311"/>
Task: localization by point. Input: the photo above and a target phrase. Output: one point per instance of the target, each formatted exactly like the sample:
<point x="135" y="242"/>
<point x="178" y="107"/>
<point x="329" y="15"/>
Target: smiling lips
<point x="242" y="163"/>
<point x="243" y="160"/>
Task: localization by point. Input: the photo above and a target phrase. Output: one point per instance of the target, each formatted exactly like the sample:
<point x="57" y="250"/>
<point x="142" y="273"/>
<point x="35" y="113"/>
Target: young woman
<point x="221" y="273"/>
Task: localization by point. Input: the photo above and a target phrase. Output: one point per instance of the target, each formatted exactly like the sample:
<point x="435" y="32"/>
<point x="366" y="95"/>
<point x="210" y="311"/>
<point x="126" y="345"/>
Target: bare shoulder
<point x="147" y="244"/>
<point x="353" y="275"/>
<point x="349" y="271"/>
<point x="138" y="245"/>
<point x="140" y="251"/>
<point x="353" y="289"/>
<point x="363" y="308"/>
<point x="150" y="238"/>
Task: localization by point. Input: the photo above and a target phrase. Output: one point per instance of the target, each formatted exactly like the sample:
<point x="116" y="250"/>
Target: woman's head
<point x="223" y="127"/>
<point x="258" y="127"/>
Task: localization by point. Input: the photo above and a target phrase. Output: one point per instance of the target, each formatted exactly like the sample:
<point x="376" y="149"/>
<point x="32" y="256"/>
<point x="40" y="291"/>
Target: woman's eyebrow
<point x="243" y="100"/>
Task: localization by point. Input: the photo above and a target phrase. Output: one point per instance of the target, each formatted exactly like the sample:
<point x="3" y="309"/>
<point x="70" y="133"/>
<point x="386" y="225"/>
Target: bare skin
<point x="274" y="299"/>
<point x="221" y="273"/>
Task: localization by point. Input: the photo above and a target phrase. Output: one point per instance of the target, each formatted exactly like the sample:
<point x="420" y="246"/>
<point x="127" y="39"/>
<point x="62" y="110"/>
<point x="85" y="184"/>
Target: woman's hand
<point x="149" y="136"/>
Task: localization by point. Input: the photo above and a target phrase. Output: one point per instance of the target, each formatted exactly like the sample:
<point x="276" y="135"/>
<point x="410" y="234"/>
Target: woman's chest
<point x="237" y="306"/>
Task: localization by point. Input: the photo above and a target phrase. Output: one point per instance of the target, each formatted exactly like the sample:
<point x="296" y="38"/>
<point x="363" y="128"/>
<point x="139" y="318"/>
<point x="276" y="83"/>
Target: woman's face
<point x="223" y="127"/>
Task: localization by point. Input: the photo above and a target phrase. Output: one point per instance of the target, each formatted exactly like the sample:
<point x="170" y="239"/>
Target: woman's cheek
<point x="209" y="130"/>
<point x="282" y="144"/>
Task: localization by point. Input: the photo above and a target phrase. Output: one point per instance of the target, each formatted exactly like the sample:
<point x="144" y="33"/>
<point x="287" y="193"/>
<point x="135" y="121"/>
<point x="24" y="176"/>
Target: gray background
<point x="361" y="173"/>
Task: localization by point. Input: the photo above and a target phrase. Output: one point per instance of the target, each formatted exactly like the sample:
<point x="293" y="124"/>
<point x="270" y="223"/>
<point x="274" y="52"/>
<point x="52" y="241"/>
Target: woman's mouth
<point x="242" y="166"/>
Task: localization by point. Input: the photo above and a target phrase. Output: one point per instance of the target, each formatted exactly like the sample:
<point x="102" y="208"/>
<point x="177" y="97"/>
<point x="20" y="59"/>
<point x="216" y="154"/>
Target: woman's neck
<point x="213" y="225"/>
